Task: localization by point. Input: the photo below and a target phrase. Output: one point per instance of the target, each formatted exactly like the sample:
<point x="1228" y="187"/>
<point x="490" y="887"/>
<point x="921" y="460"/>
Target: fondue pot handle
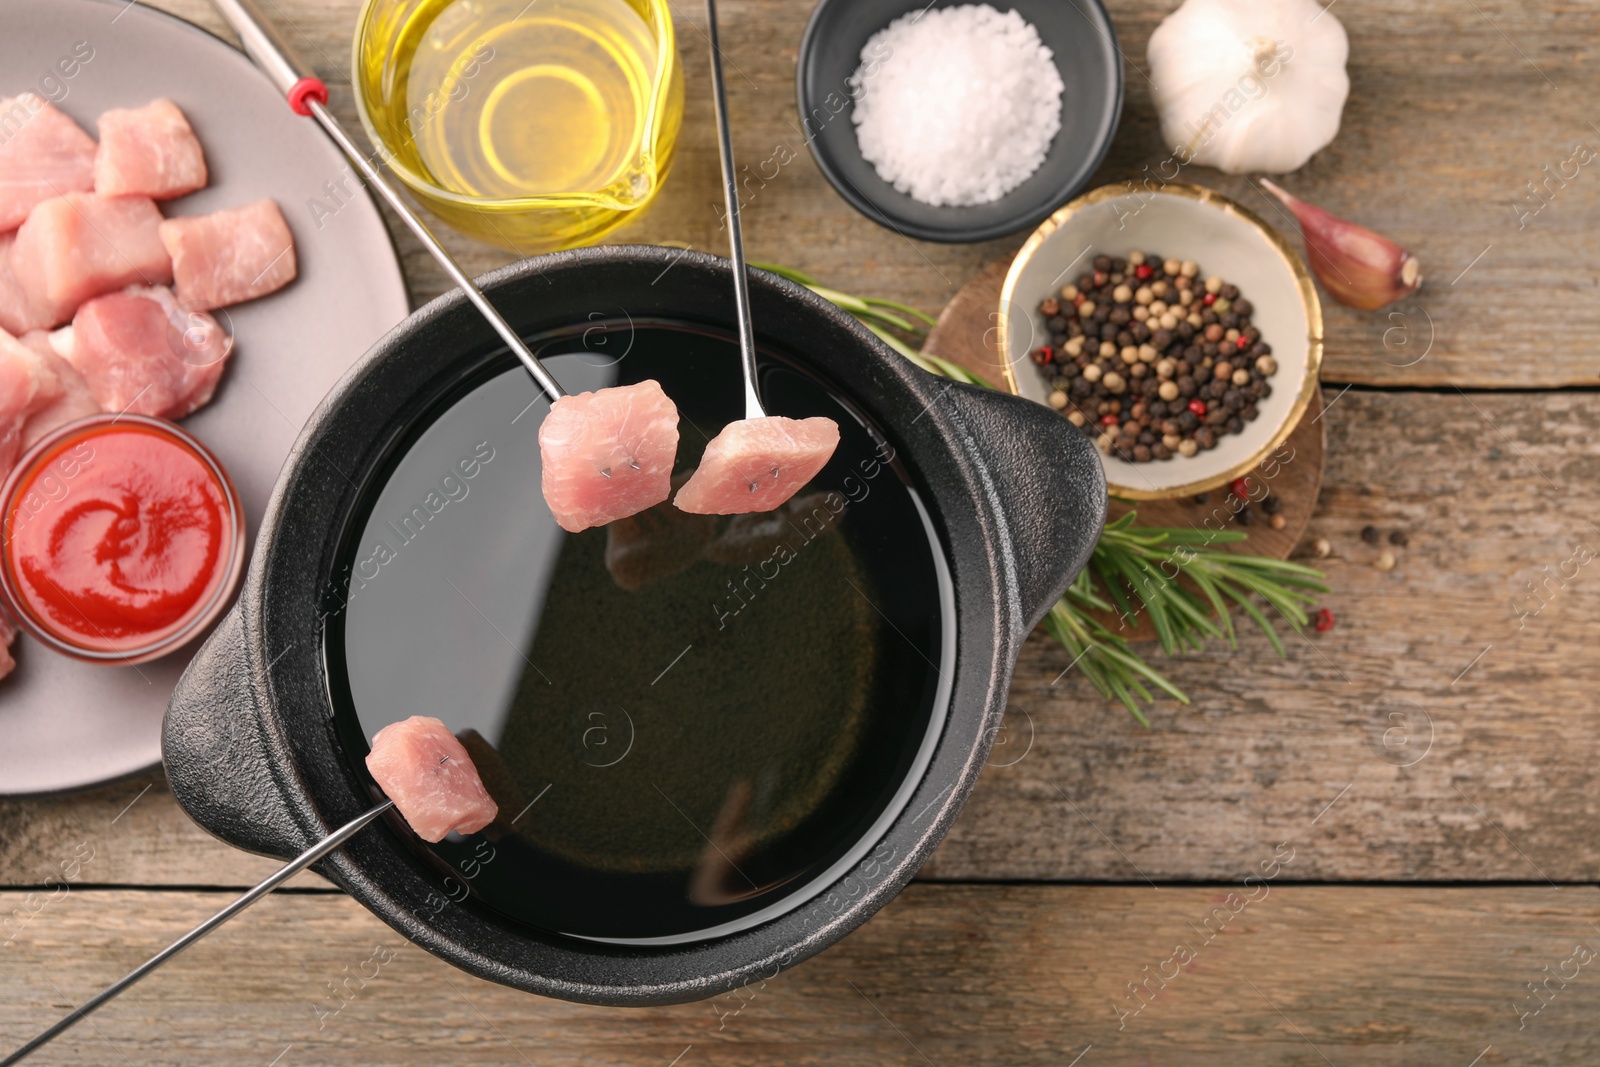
<point x="1046" y="483"/>
<point x="216" y="757"/>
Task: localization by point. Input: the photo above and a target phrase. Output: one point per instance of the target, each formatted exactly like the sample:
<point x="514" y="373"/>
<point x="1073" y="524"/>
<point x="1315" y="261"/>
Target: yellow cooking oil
<point x="534" y="124"/>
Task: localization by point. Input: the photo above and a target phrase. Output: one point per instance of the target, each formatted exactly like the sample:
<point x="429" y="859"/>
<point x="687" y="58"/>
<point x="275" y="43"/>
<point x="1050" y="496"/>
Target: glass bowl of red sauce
<point x="121" y="539"/>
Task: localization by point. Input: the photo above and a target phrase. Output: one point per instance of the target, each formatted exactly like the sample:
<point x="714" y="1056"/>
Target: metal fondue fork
<point x="308" y="96"/>
<point x="271" y="882"/>
<point x="730" y="195"/>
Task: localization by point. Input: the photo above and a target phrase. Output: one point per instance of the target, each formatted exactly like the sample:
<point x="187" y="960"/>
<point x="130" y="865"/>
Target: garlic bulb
<point x="1249" y="85"/>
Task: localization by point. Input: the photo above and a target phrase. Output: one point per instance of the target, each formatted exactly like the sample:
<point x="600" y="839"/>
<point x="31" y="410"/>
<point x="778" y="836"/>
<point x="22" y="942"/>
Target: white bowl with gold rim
<point x="1184" y="222"/>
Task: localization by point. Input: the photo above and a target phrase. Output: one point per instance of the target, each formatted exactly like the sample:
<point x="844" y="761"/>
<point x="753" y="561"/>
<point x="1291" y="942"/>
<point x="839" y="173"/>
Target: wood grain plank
<point x="1458" y="711"/>
<point x="944" y="975"/>
<point x="1464" y="724"/>
<point x="1453" y="109"/>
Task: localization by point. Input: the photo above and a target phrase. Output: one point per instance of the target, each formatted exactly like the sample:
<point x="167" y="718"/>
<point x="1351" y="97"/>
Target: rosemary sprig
<point x="1186" y="587"/>
<point x="879" y="316"/>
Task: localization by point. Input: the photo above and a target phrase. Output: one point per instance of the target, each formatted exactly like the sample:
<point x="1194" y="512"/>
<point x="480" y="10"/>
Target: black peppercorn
<point x="1151" y="425"/>
<point x="1399" y="538"/>
<point x="1369" y="534"/>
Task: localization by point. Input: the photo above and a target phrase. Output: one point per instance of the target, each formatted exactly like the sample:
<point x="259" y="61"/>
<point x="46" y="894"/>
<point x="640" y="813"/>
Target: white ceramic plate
<point x="64" y="724"/>
<point x="1178" y="222"/>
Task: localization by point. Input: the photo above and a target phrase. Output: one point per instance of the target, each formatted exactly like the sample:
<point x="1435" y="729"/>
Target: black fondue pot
<point x="673" y="823"/>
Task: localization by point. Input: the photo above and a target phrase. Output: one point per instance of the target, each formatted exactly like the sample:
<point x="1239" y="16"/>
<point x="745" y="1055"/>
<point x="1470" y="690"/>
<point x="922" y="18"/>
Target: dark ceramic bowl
<point x="1078" y="32"/>
<point x="253" y="744"/>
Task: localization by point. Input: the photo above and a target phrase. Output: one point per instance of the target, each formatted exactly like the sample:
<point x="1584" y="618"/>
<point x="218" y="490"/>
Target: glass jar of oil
<point x="533" y="124"/>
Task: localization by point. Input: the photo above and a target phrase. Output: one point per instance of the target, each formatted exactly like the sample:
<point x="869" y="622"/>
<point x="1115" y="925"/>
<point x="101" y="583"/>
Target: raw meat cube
<point x="8" y="634"/>
<point x="148" y="151"/>
<point x="63" y="395"/>
<point x="43" y="154"/>
<point x="757" y="464"/>
<point x="231" y="256"/>
<point x="497" y="779"/>
<point x="140" y="353"/>
<point x="21" y="381"/>
<point x="608" y="454"/>
<point x="18" y="312"/>
<point x="656" y="543"/>
<point x="430" y="778"/>
<point x="79" y="246"/>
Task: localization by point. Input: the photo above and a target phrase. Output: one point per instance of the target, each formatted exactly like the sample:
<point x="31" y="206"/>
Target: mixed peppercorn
<point x="1152" y="360"/>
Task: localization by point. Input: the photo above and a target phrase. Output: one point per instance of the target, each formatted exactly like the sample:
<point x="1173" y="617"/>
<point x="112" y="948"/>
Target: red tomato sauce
<point x="119" y="536"/>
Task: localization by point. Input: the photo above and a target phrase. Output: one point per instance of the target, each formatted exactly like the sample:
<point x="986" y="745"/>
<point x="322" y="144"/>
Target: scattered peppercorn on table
<point x="1380" y="849"/>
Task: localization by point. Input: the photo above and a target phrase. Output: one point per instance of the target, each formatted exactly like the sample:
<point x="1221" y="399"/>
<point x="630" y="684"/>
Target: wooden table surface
<point x="1422" y="773"/>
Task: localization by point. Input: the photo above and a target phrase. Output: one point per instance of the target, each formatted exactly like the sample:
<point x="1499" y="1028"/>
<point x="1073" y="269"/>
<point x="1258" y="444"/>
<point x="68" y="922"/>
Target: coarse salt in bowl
<point x="831" y="79"/>
<point x="1184" y="222"/>
<point x="956" y="105"/>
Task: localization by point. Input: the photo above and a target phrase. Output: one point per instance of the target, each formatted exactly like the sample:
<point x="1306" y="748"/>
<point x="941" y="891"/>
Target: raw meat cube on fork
<point x="427" y="773"/>
<point x="755" y="465"/>
<point x="608" y="454"/>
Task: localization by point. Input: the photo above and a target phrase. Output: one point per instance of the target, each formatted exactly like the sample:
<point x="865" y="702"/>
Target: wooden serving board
<point x="966" y="335"/>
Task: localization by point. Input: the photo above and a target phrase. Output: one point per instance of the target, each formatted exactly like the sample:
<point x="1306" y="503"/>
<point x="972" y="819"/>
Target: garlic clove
<point x="1356" y="266"/>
